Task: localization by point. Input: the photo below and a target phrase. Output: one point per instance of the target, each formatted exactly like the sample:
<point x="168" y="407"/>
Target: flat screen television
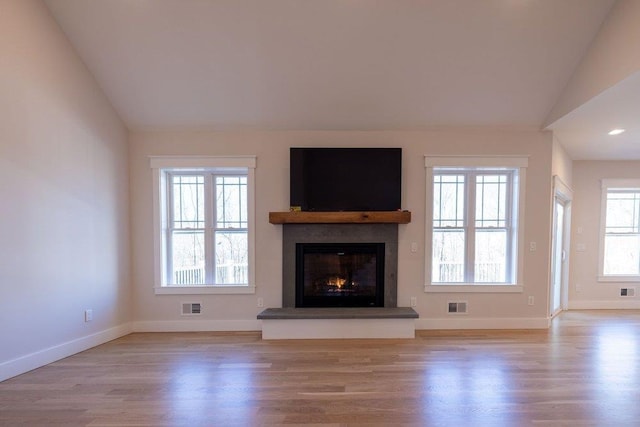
<point x="346" y="179"/>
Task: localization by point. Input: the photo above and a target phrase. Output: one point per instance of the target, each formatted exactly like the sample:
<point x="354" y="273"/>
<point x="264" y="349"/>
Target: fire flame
<point x="338" y="282"/>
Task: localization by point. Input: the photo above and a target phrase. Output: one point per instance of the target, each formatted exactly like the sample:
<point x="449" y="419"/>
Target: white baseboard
<point x="461" y="322"/>
<point x="630" y="304"/>
<point x="12" y="368"/>
<point x="257" y="325"/>
<point x="196" y="325"/>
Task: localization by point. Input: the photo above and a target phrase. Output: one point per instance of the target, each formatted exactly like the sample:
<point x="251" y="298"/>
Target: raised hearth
<point x="343" y="322"/>
<point x="339" y="313"/>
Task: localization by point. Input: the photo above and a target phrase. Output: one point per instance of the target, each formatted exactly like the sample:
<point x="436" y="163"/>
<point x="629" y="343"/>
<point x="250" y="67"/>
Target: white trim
<point x="198" y="162"/>
<point x="564" y="194"/>
<point x="37" y="359"/>
<point x="428" y="239"/>
<point x="251" y="224"/>
<point x="620" y="183"/>
<point x="618" y="279"/>
<point x="605" y="305"/>
<point x="607" y="184"/>
<point x="196" y="325"/>
<point x="520" y="217"/>
<point x="158" y="226"/>
<point x="561" y="189"/>
<point x="601" y="230"/>
<point x="473" y="288"/>
<point x="203" y="290"/>
<point x="477" y="161"/>
<point x="511" y="162"/>
<point x="460" y="322"/>
<point x="159" y="165"/>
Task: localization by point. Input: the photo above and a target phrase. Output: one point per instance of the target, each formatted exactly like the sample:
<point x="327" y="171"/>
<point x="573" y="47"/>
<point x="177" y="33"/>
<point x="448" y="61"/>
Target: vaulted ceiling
<point x="340" y="64"/>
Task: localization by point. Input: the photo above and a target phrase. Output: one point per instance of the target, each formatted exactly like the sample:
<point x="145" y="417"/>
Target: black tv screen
<point x="346" y="179"/>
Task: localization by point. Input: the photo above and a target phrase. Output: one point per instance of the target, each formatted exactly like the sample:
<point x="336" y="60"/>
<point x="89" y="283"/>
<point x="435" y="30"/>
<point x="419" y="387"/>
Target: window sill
<point x="474" y="288"/>
<point x="617" y="279"/>
<point x="202" y="290"/>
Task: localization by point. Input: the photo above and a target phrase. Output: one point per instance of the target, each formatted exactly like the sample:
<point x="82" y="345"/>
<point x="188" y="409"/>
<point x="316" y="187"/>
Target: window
<point x="473" y="228"/>
<point x="204" y="224"/>
<point x="620" y="231"/>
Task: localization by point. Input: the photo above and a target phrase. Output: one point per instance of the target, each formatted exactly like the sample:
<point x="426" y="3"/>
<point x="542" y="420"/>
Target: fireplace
<point x="318" y="242"/>
<point x="340" y="274"/>
<point x="314" y="237"/>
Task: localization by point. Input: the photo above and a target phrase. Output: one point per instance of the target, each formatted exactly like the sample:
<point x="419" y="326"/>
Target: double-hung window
<point x="204" y="224"/>
<point x="620" y="231"/>
<point x="474" y="228"/>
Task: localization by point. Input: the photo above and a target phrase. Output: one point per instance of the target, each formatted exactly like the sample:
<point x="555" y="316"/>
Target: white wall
<point x="64" y="241"/>
<point x="162" y="312"/>
<point x="614" y="55"/>
<point x="561" y="164"/>
<point x="585" y="291"/>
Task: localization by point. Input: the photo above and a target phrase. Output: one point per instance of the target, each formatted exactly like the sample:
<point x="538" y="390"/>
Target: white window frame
<point x="519" y="184"/>
<point x="627" y="184"/>
<point x="160" y="165"/>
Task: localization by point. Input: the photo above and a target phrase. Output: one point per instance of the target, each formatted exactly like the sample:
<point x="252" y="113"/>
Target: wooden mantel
<point x="366" y="217"/>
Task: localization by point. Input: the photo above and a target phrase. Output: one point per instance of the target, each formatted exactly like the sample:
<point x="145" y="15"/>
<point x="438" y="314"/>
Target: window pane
<point x="231" y="258"/>
<point x="448" y="256"/>
<point x="231" y="202"/>
<point x="188" y="201"/>
<point x="448" y="203"/>
<point x="623" y="210"/>
<point x="491" y="200"/>
<point x="622" y="254"/>
<point x="188" y="257"/>
<point x="491" y="256"/>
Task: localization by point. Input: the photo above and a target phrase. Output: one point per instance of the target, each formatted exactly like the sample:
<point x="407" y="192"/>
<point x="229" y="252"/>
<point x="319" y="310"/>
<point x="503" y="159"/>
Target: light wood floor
<point x="584" y="371"/>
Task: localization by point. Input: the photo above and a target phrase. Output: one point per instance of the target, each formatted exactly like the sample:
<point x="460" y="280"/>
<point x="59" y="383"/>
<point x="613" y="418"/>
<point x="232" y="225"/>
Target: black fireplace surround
<point x="340" y="274"/>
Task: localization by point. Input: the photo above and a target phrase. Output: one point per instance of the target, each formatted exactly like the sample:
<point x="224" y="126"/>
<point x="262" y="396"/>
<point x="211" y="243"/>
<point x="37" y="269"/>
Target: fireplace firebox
<point x="340" y="274"/>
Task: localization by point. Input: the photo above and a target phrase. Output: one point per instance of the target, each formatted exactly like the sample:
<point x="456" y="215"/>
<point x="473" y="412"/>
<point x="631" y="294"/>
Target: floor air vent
<point x="457" y="307"/>
<point x="627" y="292"/>
<point x="190" y="308"/>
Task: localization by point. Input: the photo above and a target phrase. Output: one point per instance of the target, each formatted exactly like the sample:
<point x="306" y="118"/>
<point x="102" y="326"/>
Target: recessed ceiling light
<point x="616" y="131"/>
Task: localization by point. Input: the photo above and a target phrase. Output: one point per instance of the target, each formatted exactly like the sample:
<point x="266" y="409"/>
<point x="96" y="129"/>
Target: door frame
<point x="564" y="194"/>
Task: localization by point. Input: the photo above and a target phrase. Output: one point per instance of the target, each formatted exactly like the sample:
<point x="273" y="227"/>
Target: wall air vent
<point x="627" y="292"/>
<point x="191" y="308"/>
<point x="457" y="307"/>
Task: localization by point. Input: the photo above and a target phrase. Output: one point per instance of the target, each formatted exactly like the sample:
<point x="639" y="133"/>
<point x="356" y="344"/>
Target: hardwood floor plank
<point x="584" y="370"/>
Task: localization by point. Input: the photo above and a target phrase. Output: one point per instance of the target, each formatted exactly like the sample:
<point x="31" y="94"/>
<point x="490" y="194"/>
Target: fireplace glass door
<point x="340" y="275"/>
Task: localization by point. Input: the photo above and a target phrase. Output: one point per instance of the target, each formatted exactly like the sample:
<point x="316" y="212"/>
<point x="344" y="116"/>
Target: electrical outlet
<point x="533" y="246"/>
<point x="88" y="315"/>
<point x="260" y="302"/>
<point x="414" y="301"/>
<point x="414" y="247"/>
<point x="530" y="301"/>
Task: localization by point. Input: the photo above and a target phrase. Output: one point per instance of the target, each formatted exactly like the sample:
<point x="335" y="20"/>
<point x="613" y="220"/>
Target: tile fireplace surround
<point x="339" y="233"/>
